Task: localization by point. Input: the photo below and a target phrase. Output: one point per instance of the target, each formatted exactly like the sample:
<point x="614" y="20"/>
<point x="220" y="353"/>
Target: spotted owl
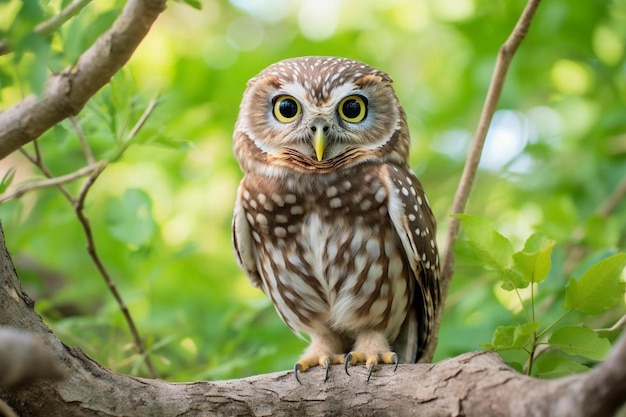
<point x="330" y="221"/>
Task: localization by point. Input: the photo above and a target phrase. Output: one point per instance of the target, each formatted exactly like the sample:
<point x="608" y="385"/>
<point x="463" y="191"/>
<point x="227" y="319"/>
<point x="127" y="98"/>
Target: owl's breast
<point x="330" y="254"/>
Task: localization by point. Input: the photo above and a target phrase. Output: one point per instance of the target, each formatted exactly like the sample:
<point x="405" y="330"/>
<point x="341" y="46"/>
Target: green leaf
<point x="194" y="3"/>
<point x="555" y="364"/>
<point x="129" y="219"/>
<point x="6" y="80"/>
<point x="512" y="279"/>
<point x="533" y="262"/>
<point x="580" y="341"/>
<point x="512" y="337"/>
<point x="490" y="246"/>
<point x="599" y="289"/>
<point x="7" y="179"/>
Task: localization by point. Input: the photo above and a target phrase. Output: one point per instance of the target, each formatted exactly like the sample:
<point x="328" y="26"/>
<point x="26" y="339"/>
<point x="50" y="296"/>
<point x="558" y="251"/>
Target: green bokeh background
<point x="161" y="213"/>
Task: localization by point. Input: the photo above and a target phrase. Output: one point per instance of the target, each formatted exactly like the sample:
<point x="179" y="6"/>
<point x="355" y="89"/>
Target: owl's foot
<point x="323" y="360"/>
<point x="372" y="349"/>
<point x="321" y="352"/>
<point x="371" y="361"/>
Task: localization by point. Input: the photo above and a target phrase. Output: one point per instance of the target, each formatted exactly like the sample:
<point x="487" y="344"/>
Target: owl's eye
<point x="353" y="109"/>
<point x="286" y="109"/>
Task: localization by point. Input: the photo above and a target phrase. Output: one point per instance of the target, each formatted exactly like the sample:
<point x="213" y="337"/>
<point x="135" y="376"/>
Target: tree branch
<point x="49" y="182"/>
<point x="66" y="93"/>
<point x="78" y="204"/>
<point x="473" y="384"/>
<point x="505" y="56"/>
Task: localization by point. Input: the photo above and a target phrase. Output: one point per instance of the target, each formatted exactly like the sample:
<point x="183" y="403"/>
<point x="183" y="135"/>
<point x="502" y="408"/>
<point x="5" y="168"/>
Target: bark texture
<point x="473" y="384"/>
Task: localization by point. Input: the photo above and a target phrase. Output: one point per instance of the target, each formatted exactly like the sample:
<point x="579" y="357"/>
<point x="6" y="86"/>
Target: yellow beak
<point x="319" y="143"/>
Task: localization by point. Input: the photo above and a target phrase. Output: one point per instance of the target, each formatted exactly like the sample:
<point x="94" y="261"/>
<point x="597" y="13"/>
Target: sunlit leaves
<point x="533" y="262"/>
<point x="490" y="246"/>
<point x="517" y="270"/>
<point x="599" y="289"/>
<point x="512" y="337"/>
<point x="580" y="341"/>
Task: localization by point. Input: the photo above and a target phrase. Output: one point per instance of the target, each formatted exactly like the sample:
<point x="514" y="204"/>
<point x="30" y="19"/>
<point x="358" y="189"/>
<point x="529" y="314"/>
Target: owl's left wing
<point x="415" y="225"/>
<point x="243" y="244"/>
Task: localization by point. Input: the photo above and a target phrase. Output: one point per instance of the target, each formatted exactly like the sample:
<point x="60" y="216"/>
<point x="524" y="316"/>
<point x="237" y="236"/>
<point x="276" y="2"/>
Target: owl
<point x="330" y="221"/>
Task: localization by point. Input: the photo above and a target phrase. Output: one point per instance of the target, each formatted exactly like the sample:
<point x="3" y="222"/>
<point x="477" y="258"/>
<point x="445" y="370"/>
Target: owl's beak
<point x="319" y="143"/>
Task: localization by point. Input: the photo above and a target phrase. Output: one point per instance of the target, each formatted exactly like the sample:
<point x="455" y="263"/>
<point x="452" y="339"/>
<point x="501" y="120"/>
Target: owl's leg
<point x="372" y="348"/>
<point x="325" y="350"/>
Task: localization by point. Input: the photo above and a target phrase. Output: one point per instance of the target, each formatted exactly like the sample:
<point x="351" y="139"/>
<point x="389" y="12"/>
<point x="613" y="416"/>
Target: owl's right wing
<point x="243" y="244"/>
<point x="415" y="226"/>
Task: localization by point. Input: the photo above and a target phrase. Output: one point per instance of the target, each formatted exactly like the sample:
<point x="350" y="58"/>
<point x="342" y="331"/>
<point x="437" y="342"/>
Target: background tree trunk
<point x="473" y="384"/>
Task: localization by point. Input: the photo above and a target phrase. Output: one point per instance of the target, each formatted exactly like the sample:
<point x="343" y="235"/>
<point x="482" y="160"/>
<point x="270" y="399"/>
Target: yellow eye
<point x="286" y="109"/>
<point x="353" y="109"/>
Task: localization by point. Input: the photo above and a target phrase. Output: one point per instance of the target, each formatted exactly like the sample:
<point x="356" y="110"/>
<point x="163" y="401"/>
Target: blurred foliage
<point x="161" y="213"/>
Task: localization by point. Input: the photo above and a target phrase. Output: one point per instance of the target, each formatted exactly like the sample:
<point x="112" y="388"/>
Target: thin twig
<point x="49" y="182"/>
<point x="55" y="22"/>
<point x="51" y="25"/>
<point x="38" y="162"/>
<point x="621" y="323"/>
<point x="505" y="55"/>
<point x="613" y="201"/>
<point x="144" y="117"/>
<point x="79" y="206"/>
<point x="83" y="141"/>
<point x="28" y="156"/>
<point x="37" y="152"/>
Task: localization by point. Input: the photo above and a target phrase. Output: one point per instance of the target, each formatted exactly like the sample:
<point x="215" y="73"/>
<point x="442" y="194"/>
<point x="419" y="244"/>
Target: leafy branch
<point x="91" y="172"/>
<point x="49" y="182"/>
<point x="64" y="96"/>
<point x="505" y="56"/>
<point x="599" y="289"/>
<point x="66" y="92"/>
<point x="51" y="25"/>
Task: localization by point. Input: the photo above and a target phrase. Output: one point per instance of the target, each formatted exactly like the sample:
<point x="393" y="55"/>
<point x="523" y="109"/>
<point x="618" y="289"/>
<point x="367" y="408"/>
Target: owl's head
<point x="319" y="114"/>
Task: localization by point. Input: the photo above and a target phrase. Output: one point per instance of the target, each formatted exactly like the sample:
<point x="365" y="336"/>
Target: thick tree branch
<point x="505" y="56"/>
<point x="474" y="384"/>
<point x="66" y="93"/>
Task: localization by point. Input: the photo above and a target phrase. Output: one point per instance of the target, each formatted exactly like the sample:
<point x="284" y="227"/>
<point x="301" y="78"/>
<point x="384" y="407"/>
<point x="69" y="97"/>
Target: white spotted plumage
<point x="341" y="239"/>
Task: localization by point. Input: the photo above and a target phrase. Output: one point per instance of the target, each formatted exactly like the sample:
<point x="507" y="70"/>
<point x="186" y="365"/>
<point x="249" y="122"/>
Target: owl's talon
<point x="325" y="360"/>
<point x="346" y="363"/>
<point x="296" y="368"/>
<point x="371" y="360"/>
<point x="327" y="366"/>
<point x="370" y="370"/>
